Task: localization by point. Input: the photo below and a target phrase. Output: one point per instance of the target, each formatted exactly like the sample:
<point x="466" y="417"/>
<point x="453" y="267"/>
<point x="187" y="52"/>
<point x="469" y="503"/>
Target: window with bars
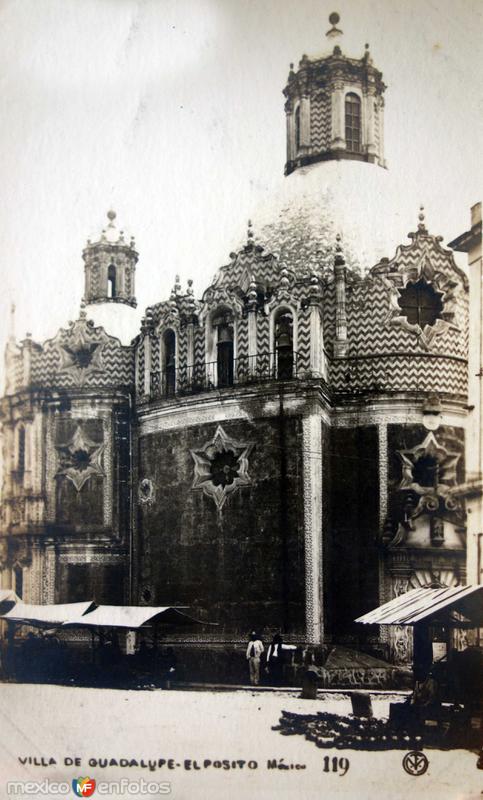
<point x="297" y="128"/>
<point x="420" y="304"/>
<point x="21" y="450"/>
<point x="353" y="130"/>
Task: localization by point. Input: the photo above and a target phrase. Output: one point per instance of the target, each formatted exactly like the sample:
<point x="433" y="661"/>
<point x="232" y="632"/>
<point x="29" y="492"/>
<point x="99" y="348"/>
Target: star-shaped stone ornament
<point x="80" y="458"/>
<point x="221" y="466"/>
<point x="80" y="356"/>
<point x="429" y="452"/>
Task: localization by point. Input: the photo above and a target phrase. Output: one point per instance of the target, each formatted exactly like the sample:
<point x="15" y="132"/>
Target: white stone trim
<point x="401" y="413"/>
<point x="312" y="482"/>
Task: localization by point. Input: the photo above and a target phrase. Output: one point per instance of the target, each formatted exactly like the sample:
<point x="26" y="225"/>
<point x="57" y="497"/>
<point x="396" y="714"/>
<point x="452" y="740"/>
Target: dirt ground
<point x="202" y="745"/>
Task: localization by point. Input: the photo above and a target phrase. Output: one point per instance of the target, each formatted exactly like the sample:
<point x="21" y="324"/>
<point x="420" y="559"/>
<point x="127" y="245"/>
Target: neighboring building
<point x="470" y="243"/>
<point x="286" y="452"/>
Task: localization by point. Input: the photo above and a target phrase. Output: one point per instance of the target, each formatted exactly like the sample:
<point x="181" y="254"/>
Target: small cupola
<point x="110" y="265"/>
<point x="334" y="107"/>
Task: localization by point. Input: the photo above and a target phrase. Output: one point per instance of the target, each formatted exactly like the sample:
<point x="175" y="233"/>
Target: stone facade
<point x="286" y="451"/>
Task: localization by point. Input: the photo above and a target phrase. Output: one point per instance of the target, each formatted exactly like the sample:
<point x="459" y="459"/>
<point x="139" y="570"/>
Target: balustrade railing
<point x="184" y="380"/>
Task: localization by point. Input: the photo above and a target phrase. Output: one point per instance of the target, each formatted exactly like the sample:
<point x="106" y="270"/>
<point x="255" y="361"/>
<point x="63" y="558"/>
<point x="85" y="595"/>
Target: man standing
<point x="276" y="659"/>
<point x="254" y="651"/>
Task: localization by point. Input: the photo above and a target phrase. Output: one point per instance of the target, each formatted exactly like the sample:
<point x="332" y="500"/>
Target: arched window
<point x="353" y="128"/>
<point x="297" y="128"/>
<point x="18" y="580"/>
<point x="284" y="344"/>
<point x="169" y="347"/>
<point x="224" y="354"/>
<point x="420" y="304"/>
<point x="21" y="450"/>
<point x="111" y="281"/>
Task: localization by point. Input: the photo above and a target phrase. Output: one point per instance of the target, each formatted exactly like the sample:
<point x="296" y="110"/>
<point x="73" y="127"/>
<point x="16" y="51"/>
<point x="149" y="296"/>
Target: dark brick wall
<point x="103" y="583"/>
<point x="352" y="567"/>
<point x="327" y="598"/>
<point x="85" y="507"/>
<point x="237" y="563"/>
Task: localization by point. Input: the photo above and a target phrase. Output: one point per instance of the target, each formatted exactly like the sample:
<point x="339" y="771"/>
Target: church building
<point x="284" y="452"/>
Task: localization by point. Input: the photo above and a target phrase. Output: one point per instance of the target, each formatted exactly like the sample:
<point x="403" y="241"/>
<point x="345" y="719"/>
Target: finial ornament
<point x="111" y="215"/>
<point x="334" y="30"/>
<point x="421" y="225"/>
<point x="11" y="331"/>
<point x="339" y="254"/>
<point x="249" y="232"/>
<point x="252" y="293"/>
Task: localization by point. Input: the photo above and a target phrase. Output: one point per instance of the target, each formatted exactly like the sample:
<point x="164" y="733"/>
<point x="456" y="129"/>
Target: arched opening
<point x="297" y="128"/>
<point x="111" y="281"/>
<point x="420" y="304"/>
<point x="353" y="126"/>
<point x="169" y="346"/>
<point x="224" y="354"/>
<point x="18" y="580"/>
<point x="284" y="344"/>
<point x="21" y="451"/>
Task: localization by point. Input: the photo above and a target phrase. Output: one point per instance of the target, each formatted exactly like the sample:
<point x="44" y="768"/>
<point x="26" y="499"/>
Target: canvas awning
<point x="48" y="615"/>
<point x="8" y="596"/>
<point x="89" y="615"/>
<point x="132" y="617"/>
<point x="427" y="603"/>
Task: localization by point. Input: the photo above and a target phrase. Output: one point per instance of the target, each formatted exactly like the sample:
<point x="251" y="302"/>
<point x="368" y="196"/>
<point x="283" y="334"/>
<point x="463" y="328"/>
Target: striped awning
<point x="427" y="603"/>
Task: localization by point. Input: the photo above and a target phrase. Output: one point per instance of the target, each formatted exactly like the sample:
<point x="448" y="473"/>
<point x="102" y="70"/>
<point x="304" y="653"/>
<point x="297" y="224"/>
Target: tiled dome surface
<point x="357" y="200"/>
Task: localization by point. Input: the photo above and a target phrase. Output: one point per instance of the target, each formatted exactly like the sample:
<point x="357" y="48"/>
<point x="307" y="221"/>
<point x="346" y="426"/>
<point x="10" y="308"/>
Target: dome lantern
<point x="335" y="108"/>
<point x="110" y="265"/>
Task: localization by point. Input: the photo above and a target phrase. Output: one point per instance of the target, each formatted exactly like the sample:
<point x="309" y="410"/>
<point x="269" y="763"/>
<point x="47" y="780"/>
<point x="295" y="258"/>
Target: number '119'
<point x="340" y="765"/>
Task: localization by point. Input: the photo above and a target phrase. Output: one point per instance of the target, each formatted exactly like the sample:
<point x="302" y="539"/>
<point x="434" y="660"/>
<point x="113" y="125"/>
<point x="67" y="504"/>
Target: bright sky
<point x="171" y="112"/>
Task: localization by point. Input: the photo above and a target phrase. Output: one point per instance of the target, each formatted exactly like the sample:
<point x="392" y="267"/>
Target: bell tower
<point x="110" y="265"/>
<point x="335" y="108"/>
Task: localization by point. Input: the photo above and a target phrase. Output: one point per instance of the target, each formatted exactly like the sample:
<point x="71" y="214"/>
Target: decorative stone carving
<point x="146" y="492"/>
<point x="400" y="636"/>
<point x="219" y="297"/>
<point x="80" y="458"/>
<point x="447" y="463"/>
<point x="81" y="355"/>
<point x="428" y="486"/>
<point x="221" y="466"/>
<point x="435" y="268"/>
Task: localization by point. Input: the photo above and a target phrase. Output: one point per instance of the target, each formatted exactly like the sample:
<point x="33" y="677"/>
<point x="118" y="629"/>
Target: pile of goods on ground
<point x="405" y="730"/>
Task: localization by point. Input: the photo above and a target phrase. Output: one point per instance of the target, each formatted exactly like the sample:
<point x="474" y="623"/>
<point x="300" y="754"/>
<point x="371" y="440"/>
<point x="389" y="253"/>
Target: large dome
<point x="300" y="221"/>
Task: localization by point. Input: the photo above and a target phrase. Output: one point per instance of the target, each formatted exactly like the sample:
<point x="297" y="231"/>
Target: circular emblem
<point x="415" y="763"/>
